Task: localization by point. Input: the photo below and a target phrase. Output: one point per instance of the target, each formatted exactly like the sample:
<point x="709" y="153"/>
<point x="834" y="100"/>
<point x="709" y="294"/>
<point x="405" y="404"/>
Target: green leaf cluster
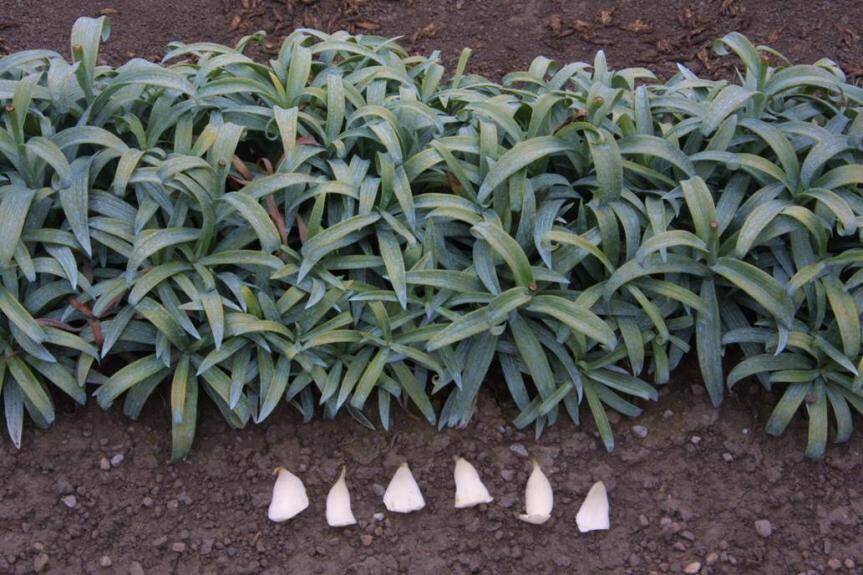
<point x="344" y="227"/>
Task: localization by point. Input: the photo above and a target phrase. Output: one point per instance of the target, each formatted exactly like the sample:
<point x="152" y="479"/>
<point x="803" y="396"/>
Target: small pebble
<point x="639" y="431"/>
<point x="712" y="557"/>
<point x="695" y="439"/>
<point x="764" y="528"/>
<point x="732" y="559"/>
<point x="366" y="539"/>
<point x="105" y="562"/>
<point x="692" y="568"/>
<point x="378" y="516"/>
<point x="727" y="457"/>
<point x="178" y="547"/>
<point x="40" y="562"/>
<point x="207" y="546"/>
<point x="519" y="449"/>
<point x="665" y="522"/>
<point x="69" y="501"/>
<point x="104" y="464"/>
<point x="117" y="460"/>
<point x="62" y="487"/>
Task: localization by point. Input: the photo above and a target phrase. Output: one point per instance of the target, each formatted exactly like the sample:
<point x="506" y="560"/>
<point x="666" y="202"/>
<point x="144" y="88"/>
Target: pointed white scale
<point x="403" y="495"/>
<point x="538" y="496"/>
<point x="339" y="512"/>
<point x="469" y="489"/>
<point x="289" y="496"/>
<point x="593" y="514"/>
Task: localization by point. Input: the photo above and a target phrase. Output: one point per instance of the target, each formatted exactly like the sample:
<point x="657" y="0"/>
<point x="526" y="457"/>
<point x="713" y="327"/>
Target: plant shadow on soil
<point x="689" y="492"/>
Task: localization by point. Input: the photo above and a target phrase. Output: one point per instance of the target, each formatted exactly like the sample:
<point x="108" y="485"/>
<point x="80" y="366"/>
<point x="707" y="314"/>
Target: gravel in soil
<point x="705" y="491"/>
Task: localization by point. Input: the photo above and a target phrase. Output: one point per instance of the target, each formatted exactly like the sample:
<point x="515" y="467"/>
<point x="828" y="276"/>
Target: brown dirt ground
<point x="689" y="492"/>
<point x="504" y="34"/>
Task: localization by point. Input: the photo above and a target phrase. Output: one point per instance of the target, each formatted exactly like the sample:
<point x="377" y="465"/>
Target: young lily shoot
<point x="339" y="512"/>
<point x="538" y="497"/>
<point x="593" y="514"/>
<point x="403" y="495"/>
<point x="289" y="496"/>
<point x="469" y="489"/>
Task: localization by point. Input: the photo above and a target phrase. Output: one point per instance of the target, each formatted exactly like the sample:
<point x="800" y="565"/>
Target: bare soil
<point x="689" y="492"/>
<point x="504" y="34"/>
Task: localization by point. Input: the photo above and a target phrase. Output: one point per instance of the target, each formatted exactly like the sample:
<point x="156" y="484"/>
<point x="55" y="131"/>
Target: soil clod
<point x="764" y="528"/>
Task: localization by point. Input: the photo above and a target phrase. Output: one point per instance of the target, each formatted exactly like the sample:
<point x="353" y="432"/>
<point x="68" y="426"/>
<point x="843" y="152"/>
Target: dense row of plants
<point x="344" y="227"/>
